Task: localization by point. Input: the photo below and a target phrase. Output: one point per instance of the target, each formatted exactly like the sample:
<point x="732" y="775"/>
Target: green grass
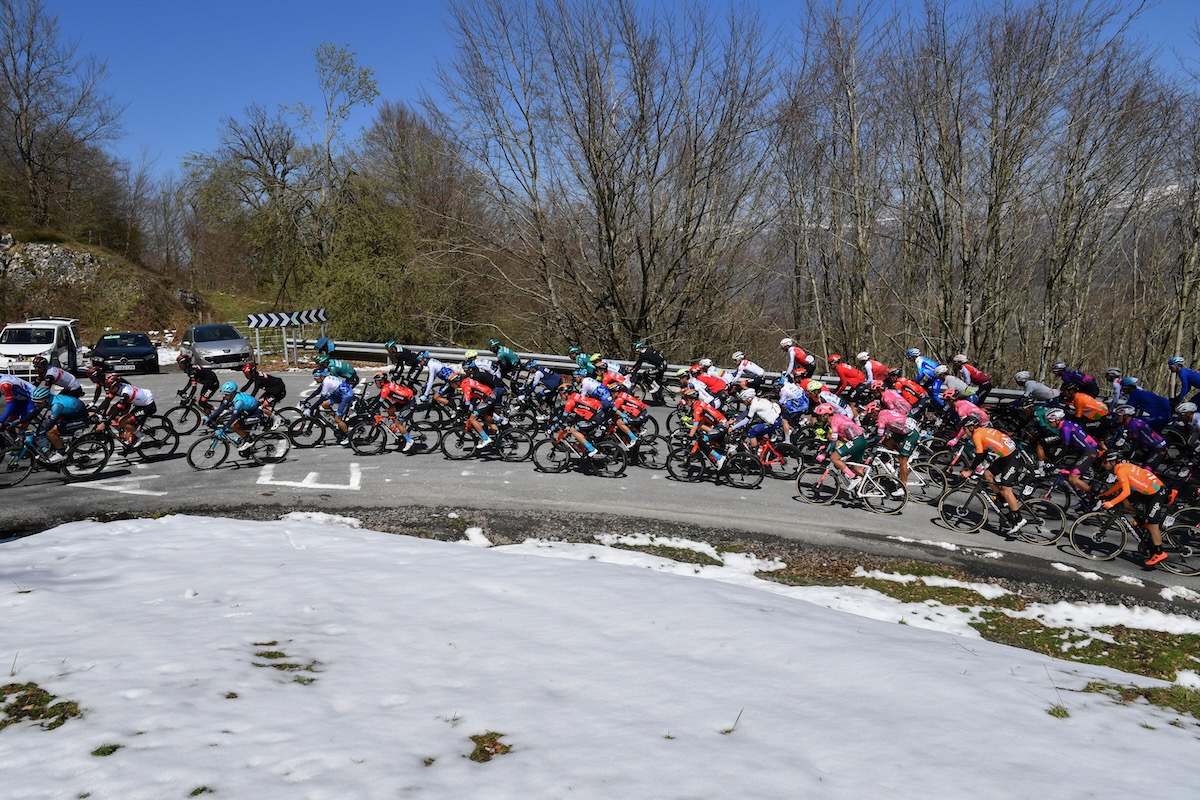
<point x="106" y="750"/>
<point x="33" y="703"/>
<point x="1176" y="698"/>
<point x="488" y="746"/>
<point x="234" y="307"/>
<point x="1058" y="711"/>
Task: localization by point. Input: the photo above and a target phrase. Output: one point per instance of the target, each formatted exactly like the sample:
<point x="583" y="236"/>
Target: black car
<point x="126" y="352"/>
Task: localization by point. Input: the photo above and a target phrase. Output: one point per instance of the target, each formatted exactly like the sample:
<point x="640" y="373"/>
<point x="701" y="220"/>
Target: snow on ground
<point x="611" y="673"/>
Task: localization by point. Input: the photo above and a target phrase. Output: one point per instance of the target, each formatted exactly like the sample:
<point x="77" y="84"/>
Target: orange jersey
<point x="990" y="440"/>
<point x="910" y="390"/>
<point x="1088" y="407"/>
<point x="1132" y="478"/>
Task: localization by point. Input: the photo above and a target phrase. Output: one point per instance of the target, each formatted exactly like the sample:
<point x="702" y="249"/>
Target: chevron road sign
<point x="284" y="319"/>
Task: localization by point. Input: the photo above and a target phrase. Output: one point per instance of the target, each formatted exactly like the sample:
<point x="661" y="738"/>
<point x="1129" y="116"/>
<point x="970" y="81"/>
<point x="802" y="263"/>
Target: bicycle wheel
<point x="425" y="435"/>
<point x="1182" y="543"/>
<point x="15" y="465"/>
<point x="649" y="426"/>
<point x="433" y="413"/>
<point x="1044" y="522"/>
<point x="883" y="494"/>
<point x="1188" y="515"/>
<point x="524" y="421"/>
<point x="926" y="483"/>
<point x="963" y="509"/>
<point x="185" y="419"/>
<point x="651" y="452"/>
<point x="1099" y="535"/>
<point x="742" y="470"/>
<point x="158" y="441"/>
<point x="675" y="421"/>
<point x="818" y="483"/>
<point x="551" y="456"/>
<point x="457" y="444"/>
<point x="306" y="432"/>
<point x="781" y="461"/>
<point x="288" y="414"/>
<point x="514" y="445"/>
<point x="208" y="452"/>
<point x="87" y="455"/>
<point x="270" y="448"/>
<point x="684" y="465"/>
<point x="368" y="438"/>
<point x="613" y="464"/>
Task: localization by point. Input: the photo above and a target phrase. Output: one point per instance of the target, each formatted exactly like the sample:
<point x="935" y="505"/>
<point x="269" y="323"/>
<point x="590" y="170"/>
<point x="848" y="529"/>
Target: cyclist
<point x="96" y="374"/>
<point x="1139" y="490"/>
<point x="1187" y="413"/>
<point x="244" y="406"/>
<point x="132" y="404"/>
<point x="612" y="377"/>
<point x="485" y="371"/>
<point x="997" y="461"/>
<point x="943" y="381"/>
<point x="746" y="373"/>
<point x="839" y="427"/>
<point x="924" y="366"/>
<point x="543" y="386"/>
<point x="913" y="393"/>
<point x="632" y="411"/>
<point x="64" y="414"/>
<point x="1112" y="375"/>
<point x="340" y="369"/>
<point x="1134" y="433"/>
<point x="707" y="422"/>
<point x="48" y="376"/>
<point x="958" y="410"/>
<point x="794" y="403"/>
<point x="890" y="398"/>
<point x="1084" y="448"/>
<point x="898" y="431"/>
<point x="272" y="387"/>
<point x="480" y="400"/>
<point x="1156" y="408"/>
<point x="768" y="414"/>
<point x="332" y="389"/>
<point x="203" y="378"/>
<point x="849" y="378"/>
<point x="818" y="394"/>
<point x="657" y="368"/>
<point x="506" y="358"/>
<point x="1189" y="379"/>
<point x="437" y="371"/>
<point x="1085" y="383"/>
<point x="394" y="397"/>
<point x="874" y="370"/>
<point x="590" y="387"/>
<point x="799" y="363"/>
<point x="400" y="358"/>
<point x="18" y="405"/>
<point x="709" y="385"/>
<point x="1034" y="390"/>
<point x="973" y="376"/>
<point x="583" y="416"/>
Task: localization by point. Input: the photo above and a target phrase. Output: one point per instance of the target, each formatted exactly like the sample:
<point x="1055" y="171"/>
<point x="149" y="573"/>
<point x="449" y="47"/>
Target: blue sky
<point x="181" y="67"/>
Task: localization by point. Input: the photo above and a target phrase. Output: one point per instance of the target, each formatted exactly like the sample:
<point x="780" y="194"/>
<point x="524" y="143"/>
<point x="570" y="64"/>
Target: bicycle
<point x="463" y="441"/>
<point x="556" y="453"/>
<point x="966" y="509"/>
<point x="187" y="416"/>
<point x="693" y="461"/>
<point x="1104" y="535"/>
<point x="314" y="425"/>
<point x="371" y="436"/>
<point x="780" y="460"/>
<point x="86" y="455"/>
<point x="822" y="483"/>
<point x="158" y="439"/>
<point x="211" y="451"/>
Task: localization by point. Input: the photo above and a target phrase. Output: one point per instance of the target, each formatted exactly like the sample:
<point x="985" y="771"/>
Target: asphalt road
<point x="429" y="487"/>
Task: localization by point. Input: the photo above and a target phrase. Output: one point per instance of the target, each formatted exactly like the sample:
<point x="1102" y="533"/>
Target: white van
<point x="55" y="338"/>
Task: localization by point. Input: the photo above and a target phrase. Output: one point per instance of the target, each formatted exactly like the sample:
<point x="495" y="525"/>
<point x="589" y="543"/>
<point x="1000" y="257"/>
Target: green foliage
<point x="32" y="702"/>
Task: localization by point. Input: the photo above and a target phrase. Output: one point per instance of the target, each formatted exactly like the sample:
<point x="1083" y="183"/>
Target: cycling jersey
<point x="629" y="405"/>
<point x="65" y="408"/>
<point x="272" y="387"/>
<point x="843" y="428"/>
<point x="874" y="370"/>
<point x="1156" y="408"/>
<point x="702" y="390"/>
<point x="56" y="376"/>
<point x="1085" y="382"/>
<point x="583" y="407"/>
<point x="713" y="384"/>
<point x="18" y="406"/>
<point x="476" y="393"/>
<point x="649" y="356"/>
<point x="128" y="394"/>
<point x="971" y="375"/>
<point x="848" y="377"/>
<point x="925" y="368"/>
<point x="343" y="369"/>
<point x="1087" y="407"/>
<point x="892" y="422"/>
<point x="437" y="371"/>
<point x="910" y="390"/>
<point x="963" y="408"/>
<point x="763" y="409"/>
<point x="394" y="394"/>
<point x="797" y="360"/>
<point x="793" y="398"/>
<point x="202" y="376"/>
<point x="507" y="359"/>
<point x="1189" y="381"/>
<point x="1039" y="391"/>
<point x="704" y="414"/>
<point x="748" y="369"/>
<point x="1130" y="479"/>
<point x="1076" y="438"/>
<point x="894" y="401"/>
<point x="991" y="442"/>
<point x="839" y="405"/>
<point x="612" y="379"/>
<point x="945" y="382"/>
<point x="590" y="387"/>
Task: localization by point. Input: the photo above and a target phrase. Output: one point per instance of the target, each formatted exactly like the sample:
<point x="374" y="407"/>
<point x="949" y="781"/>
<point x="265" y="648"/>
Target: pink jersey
<point x="965" y="407"/>
<point x="894" y="401"/>
<point x="894" y="423"/>
<point x="843" y="428"/>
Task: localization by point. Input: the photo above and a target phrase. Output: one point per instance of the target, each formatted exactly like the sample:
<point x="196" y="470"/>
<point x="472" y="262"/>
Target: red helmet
<point x="95" y="373"/>
<point x="876" y="386"/>
<point x="113" y="381"/>
<point x="183" y="358"/>
<point x="249" y="368"/>
<point x="834" y="358"/>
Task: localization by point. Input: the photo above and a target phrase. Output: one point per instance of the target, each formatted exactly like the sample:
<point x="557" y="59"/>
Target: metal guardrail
<point x="375" y="351"/>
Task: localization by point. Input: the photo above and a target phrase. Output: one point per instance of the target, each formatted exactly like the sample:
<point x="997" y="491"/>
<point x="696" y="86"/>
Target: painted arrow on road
<point x="129" y="485"/>
<point x="267" y="477"/>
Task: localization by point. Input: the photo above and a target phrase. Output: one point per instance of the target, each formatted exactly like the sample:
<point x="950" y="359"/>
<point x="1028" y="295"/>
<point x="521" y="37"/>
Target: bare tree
<point x="52" y="100"/>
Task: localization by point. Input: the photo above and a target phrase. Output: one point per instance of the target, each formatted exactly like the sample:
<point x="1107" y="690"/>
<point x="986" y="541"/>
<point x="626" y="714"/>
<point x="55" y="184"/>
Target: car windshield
<point x="27" y="336"/>
<point x="216" y="333"/>
<point x="124" y="340"/>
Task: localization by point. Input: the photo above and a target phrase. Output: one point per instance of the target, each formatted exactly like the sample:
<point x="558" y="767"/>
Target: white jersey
<point x="137" y="396"/>
<point x="764" y="409"/>
<point x="790" y="390"/>
<point x="723" y="374"/>
<point x="838" y="404"/>
<point x="60" y="377"/>
<point x="747" y="368"/>
<point x="19" y="383"/>
<point x="702" y="391"/>
<point x="331" y="384"/>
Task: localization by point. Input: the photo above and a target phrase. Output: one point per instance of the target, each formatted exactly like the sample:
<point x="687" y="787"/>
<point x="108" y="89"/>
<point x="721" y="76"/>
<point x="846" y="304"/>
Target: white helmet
<point x="706" y="362"/>
<point x="961" y="358"/>
<point x="1185" y="408"/>
<point x="785" y="343"/>
<point x="1055" y="415"/>
<point x="863" y="356"/>
<point x="738" y="355"/>
<point x="746" y="395"/>
<point x="1021" y="376"/>
<point x="941" y="369"/>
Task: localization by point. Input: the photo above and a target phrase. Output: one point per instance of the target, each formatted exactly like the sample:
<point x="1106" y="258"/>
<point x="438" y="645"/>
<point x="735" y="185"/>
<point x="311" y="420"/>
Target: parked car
<point x="216" y="345"/>
<point x="126" y="352"/>
<point x="54" y="338"/>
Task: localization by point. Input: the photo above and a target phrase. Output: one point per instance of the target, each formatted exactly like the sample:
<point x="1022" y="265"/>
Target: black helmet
<point x="40" y="363"/>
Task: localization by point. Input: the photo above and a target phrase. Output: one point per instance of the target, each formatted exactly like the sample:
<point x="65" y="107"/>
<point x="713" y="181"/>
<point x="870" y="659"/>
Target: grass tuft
<point x="1176" y="698"/>
<point x="106" y="750"/>
<point x="1058" y="711"/>
<point x="32" y="702"/>
<point x="488" y="746"/>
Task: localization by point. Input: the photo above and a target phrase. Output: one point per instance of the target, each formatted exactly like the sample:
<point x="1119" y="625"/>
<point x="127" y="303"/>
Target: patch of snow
<point x="322" y="518"/>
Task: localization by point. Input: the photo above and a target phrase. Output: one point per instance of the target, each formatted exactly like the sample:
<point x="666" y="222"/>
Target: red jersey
<point x="395" y="394"/>
<point x="628" y="404"/>
<point x="705" y="414"/>
<point x="714" y="385"/>
<point x="848" y="377"/>
<point x="910" y="390"/>
<point x="474" y="392"/>
<point x="581" y="406"/>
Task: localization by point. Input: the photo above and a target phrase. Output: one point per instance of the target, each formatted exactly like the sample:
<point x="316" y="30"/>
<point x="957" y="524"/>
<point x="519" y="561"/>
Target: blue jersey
<point x="1189" y="381"/>
<point x="65" y="406"/>
<point x="925" y="367"/>
<point x="1157" y="408"/>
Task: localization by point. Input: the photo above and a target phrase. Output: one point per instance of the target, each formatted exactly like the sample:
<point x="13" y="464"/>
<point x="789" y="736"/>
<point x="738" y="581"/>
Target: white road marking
<point x="129" y="485"/>
<point x="267" y="477"/>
